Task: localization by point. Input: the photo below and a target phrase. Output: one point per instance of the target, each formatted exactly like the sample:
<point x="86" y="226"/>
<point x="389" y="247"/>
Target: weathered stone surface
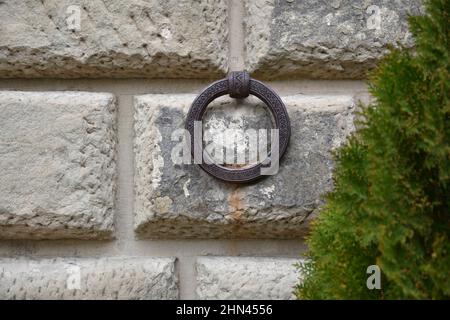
<point x="134" y="38"/>
<point x="105" y="278"/>
<point x="323" y="39"/>
<point x="182" y="201"/>
<point x="57" y="164"/>
<point x="246" y="278"/>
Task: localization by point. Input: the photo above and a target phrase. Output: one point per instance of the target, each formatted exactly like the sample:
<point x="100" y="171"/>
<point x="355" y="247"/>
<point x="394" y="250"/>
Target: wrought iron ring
<point x="239" y="85"/>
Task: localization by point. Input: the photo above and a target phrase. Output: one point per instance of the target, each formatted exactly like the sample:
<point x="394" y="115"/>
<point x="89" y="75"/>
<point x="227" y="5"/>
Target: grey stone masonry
<point x="177" y="200"/>
<point x="87" y="278"/>
<point x="335" y="39"/>
<point x="114" y="38"/>
<point x="57" y="164"/>
<point x="246" y="278"/>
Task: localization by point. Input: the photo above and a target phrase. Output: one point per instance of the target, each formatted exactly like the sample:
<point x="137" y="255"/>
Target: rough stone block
<point x="323" y="39"/>
<point x="182" y="201"/>
<point x="246" y="278"/>
<point x="57" y="164"/>
<point x="114" y="38"/>
<point x="105" y="278"/>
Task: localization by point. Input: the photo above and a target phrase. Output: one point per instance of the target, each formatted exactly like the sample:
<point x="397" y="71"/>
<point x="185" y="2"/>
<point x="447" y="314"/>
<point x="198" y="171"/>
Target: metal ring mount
<point x="239" y="85"/>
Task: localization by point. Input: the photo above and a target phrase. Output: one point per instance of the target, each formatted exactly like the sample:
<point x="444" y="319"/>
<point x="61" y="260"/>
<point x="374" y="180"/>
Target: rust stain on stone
<point x="235" y="201"/>
<point x="236" y="205"/>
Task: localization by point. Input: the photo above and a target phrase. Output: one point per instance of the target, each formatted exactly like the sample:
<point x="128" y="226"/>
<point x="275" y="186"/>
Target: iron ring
<point x="236" y="89"/>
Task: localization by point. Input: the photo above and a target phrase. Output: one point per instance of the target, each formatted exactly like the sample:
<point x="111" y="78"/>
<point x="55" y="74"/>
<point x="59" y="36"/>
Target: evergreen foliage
<point x="390" y="205"/>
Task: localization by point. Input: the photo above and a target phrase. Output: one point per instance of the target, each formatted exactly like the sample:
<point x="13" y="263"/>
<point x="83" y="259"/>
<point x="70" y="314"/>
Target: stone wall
<point x="92" y="205"/>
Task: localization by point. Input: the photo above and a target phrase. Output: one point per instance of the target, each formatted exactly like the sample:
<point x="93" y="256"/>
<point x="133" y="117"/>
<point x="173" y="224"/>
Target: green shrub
<point x="390" y="205"/>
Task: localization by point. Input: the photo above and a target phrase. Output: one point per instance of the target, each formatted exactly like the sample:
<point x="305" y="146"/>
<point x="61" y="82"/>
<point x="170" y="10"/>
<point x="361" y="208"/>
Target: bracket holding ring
<point x="240" y="85"/>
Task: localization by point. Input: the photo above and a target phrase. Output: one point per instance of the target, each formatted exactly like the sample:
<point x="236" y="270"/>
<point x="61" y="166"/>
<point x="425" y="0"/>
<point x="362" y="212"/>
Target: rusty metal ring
<point x="239" y="84"/>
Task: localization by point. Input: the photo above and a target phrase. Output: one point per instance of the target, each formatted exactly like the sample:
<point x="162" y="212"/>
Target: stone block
<point x="57" y="164"/>
<point x="87" y="278"/>
<point x="174" y="200"/>
<point x="238" y="278"/>
<point x="114" y="38"/>
<point x="338" y="39"/>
